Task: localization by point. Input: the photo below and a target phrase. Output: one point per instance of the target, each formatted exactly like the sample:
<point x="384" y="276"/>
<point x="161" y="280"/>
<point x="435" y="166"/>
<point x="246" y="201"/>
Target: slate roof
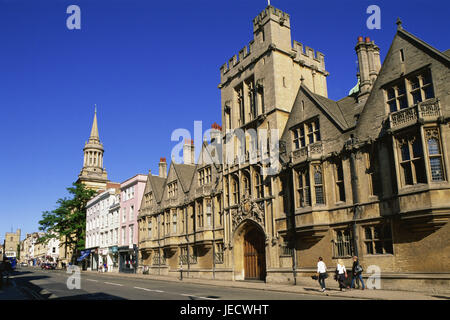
<point x="185" y="173"/>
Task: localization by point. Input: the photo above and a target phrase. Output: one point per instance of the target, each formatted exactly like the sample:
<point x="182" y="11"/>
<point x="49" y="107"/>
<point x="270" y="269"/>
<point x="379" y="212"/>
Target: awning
<point x="84" y="254"/>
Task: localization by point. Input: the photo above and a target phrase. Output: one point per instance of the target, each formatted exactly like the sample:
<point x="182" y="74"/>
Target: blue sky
<point x="140" y="62"/>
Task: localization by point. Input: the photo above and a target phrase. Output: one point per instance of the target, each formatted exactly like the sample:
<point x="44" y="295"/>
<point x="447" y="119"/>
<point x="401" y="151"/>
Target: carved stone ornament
<point x="248" y="209"/>
<point x="432" y="134"/>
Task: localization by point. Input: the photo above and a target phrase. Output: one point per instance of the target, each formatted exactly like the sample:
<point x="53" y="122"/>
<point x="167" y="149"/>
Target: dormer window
<point x="204" y="176"/>
<point x="396" y="97"/>
<point x="172" y="189"/>
<point x="306" y="133"/>
<point x="419" y="87"/>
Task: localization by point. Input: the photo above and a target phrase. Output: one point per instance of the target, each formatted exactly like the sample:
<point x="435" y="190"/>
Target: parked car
<point x="24" y="264"/>
<point x="48" y="266"/>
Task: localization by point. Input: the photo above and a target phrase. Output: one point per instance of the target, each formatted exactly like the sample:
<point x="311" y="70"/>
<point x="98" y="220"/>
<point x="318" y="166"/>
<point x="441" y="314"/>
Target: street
<point x="52" y="284"/>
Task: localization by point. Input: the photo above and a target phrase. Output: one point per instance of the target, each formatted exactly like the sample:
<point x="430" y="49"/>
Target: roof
<point x="444" y="56"/>
<point x="185" y="173"/>
<point x="157" y="184"/>
<point x="342" y="112"/>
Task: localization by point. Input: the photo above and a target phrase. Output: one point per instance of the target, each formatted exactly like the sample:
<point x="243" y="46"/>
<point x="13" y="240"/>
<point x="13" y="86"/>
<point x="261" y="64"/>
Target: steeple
<point x="93" y="175"/>
<point x="94" y="130"/>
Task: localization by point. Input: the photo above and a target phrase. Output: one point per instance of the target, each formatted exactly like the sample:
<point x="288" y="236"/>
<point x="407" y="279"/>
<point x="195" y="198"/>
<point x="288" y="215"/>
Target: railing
<point x="159" y="260"/>
<point x="184" y="259"/>
<point x="286" y="251"/>
<point x="426" y="110"/>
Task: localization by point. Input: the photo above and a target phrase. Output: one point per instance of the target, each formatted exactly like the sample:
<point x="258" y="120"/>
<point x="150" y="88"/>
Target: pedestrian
<point x="105" y="267"/>
<point x="357" y="273"/>
<point x="341" y="274"/>
<point x="321" y="273"/>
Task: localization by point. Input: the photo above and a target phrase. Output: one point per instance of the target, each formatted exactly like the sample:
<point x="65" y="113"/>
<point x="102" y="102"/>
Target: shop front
<point x="128" y="259"/>
<point x="113" y="259"/>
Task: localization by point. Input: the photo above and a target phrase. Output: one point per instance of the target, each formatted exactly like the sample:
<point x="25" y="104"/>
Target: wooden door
<point x="254" y="256"/>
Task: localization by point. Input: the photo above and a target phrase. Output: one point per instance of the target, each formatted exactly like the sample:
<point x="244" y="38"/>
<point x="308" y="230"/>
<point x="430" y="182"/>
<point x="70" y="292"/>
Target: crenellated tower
<point x="93" y="174"/>
<point x="264" y="77"/>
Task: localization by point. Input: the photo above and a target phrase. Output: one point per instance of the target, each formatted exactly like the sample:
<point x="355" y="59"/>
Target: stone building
<point x="365" y="175"/>
<point x="11" y="244"/>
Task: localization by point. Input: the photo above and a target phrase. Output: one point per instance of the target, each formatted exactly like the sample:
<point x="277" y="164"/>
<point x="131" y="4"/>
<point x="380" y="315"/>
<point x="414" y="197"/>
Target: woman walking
<point x="341" y="274"/>
<point x="321" y="273"/>
<point x="357" y="273"/>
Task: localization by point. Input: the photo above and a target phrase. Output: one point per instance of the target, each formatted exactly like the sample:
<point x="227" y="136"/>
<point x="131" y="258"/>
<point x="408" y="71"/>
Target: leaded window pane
<point x="436" y="169"/>
<point x="433" y="146"/>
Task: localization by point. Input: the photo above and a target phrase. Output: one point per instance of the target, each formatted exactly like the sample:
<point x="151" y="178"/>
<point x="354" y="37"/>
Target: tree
<point x="68" y="220"/>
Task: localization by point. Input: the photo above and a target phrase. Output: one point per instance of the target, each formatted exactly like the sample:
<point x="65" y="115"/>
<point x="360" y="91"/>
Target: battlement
<point x="271" y="13"/>
<point x="236" y="59"/>
<point x="307" y="56"/>
<point x="301" y="54"/>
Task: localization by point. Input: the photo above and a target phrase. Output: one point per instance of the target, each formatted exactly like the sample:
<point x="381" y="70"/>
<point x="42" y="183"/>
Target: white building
<point x="102" y="227"/>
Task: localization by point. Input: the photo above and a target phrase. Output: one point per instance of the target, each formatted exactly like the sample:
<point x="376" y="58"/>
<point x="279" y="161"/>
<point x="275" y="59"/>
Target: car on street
<point x="48" y="266"/>
<point x="24" y="264"/>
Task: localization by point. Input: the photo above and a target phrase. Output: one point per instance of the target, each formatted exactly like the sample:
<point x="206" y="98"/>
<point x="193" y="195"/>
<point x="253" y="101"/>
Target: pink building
<point x="131" y="192"/>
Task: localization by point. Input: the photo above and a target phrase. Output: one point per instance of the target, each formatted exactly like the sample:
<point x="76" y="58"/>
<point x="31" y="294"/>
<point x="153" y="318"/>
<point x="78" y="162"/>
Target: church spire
<point x="94" y="130"/>
<point x="93" y="174"/>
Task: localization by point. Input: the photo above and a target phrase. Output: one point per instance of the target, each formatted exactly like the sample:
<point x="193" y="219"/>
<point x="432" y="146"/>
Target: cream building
<point x="11" y="243"/>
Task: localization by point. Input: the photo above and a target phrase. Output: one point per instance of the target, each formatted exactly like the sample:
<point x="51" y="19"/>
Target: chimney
<point x="188" y="151"/>
<point x="369" y="63"/>
<point x="162" y="168"/>
<point x="216" y="131"/>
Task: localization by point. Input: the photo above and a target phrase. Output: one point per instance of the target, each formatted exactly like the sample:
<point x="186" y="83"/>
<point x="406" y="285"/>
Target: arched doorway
<point x="249" y="252"/>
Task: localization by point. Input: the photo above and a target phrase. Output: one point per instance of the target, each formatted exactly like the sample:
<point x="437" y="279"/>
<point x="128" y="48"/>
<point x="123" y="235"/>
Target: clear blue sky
<point x="140" y="62"/>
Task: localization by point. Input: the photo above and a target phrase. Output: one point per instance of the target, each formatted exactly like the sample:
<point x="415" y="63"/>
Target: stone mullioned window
<point x="306" y="133"/>
<point x="409" y="91"/>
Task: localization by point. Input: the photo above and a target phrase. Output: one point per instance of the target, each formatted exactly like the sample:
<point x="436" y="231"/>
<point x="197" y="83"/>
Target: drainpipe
<point x="292" y="229"/>
<point x="187" y="238"/>
<point x="355" y="193"/>
<point x="159" y="245"/>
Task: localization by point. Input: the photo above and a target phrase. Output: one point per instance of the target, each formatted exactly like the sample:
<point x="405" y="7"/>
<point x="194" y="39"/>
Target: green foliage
<point x="69" y="218"/>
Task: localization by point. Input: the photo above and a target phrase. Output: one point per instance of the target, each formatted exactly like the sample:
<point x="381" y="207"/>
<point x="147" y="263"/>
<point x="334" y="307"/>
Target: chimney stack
<point x="369" y="63"/>
<point x="162" y="168"/>
<point x="216" y="131"/>
<point x="188" y="151"/>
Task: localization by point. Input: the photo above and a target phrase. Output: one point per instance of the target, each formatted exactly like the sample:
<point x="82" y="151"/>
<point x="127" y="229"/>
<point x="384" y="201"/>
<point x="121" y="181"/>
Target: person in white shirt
<point x="321" y="273"/>
<point x="341" y="274"/>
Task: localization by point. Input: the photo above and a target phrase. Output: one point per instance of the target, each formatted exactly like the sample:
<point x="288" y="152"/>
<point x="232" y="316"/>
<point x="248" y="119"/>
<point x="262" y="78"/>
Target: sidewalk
<point x="308" y="286"/>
